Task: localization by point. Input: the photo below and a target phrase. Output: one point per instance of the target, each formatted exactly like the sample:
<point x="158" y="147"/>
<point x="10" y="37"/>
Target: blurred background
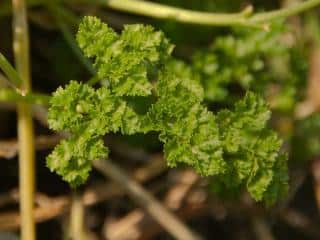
<point x="282" y="64"/>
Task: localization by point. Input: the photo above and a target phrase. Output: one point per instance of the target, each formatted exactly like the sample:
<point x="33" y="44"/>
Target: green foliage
<point x="234" y="147"/>
<point x="87" y="115"/>
<point x="188" y="130"/>
<point x="127" y="60"/>
<point x="236" y="58"/>
<point x="306" y="139"/>
<point x="252" y="59"/>
<point x="252" y="151"/>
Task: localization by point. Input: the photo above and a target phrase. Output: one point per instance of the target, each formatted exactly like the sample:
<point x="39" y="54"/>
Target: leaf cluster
<point x="306" y="140"/>
<point x="255" y="60"/>
<point x="233" y="146"/>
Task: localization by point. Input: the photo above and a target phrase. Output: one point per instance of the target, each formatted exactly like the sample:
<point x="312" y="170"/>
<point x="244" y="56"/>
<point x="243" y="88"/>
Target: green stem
<point x="25" y="123"/>
<point x="160" y="11"/>
<point x="92" y="81"/>
<point x="285" y="12"/>
<point x="61" y="16"/>
<point x="30" y="98"/>
<point x="10" y="72"/>
<point x="77" y="217"/>
<point x="6" y="8"/>
<point x="244" y="18"/>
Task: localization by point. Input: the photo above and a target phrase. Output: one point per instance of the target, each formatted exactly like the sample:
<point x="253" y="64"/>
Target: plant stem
<point x="30" y="98"/>
<point x="6" y="8"/>
<point x="160" y="11"/>
<point x="244" y="18"/>
<point x="285" y="12"/>
<point x="25" y="123"/>
<point x="62" y="15"/>
<point x="10" y="72"/>
<point x="77" y="216"/>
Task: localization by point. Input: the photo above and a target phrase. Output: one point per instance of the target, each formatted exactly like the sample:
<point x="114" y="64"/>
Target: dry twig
<point x="312" y="102"/>
<point x="261" y="229"/>
<point x="315" y="169"/>
<point x="49" y="208"/>
<point x="9" y="148"/>
<point x="166" y="219"/>
<point x="138" y="224"/>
